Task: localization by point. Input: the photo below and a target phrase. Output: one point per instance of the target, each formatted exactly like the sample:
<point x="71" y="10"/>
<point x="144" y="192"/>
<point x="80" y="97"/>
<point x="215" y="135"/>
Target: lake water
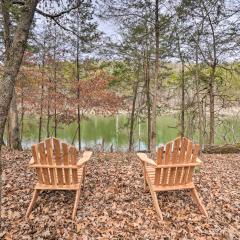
<point x="112" y="131"/>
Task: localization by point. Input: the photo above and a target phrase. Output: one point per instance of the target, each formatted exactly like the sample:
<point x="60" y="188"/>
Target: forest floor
<point x="114" y="205"/>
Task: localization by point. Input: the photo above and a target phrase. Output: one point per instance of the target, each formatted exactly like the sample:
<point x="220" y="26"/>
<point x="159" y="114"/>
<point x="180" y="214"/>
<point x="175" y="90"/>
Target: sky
<point x="108" y="27"/>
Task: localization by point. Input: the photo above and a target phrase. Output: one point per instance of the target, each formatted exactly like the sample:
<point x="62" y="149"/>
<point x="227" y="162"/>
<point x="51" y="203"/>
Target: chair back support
<point x="55" y="162"/>
<point x="176" y="164"/>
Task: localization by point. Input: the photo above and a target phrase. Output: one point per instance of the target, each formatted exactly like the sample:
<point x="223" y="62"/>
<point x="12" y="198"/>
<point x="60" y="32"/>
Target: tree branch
<point x="48" y="15"/>
<point x="56" y="15"/>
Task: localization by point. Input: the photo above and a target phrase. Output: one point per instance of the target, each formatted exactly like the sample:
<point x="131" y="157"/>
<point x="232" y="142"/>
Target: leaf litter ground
<point x="114" y="205"/>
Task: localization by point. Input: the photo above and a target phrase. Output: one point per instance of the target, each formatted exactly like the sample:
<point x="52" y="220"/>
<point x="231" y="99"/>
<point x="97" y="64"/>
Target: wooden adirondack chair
<point x="173" y="170"/>
<point x="57" y="168"/>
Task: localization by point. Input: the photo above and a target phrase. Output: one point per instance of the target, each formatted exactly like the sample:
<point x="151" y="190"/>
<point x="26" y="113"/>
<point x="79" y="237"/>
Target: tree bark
<point x="55" y="84"/>
<point x="22" y="113"/>
<point x="213" y="64"/>
<point x="132" y="120"/>
<point x="211" y="106"/>
<point x="182" y="132"/>
<point x="154" y="105"/>
<point x="148" y="98"/>
<point x="12" y="63"/>
<point x="48" y="112"/>
<point x="183" y="99"/>
<point x="199" y="105"/>
<point x="78" y="93"/>
<point x="14" y="140"/>
<point x="41" y="106"/>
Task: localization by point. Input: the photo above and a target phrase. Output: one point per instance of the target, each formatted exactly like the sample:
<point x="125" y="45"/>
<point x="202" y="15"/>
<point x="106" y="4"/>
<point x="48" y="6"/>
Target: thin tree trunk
<point x="132" y="119"/>
<point x="48" y="113"/>
<point x="200" y="113"/>
<point x="14" y="129"/>
<point x="78" y="96"/>
<point x="211" y="107"/>
<point x="182" y="122"/>
<point x="213" y="65"/>
<point x="22" y="112"/>
<point x="154" y="105"/>
<point x="204" y="111"/>
<point x="183" y="100"/>
<point x="55" y="87"/>
<point x="41" y="105"/>
<point x="42" y="91"/>
<point x="117" y="132"/>
<point x="48" y="122"/>
<point x="79" y="126"/>
<point x="146" y="70"/>
<point x="55" y="117"/>
<point x="148" y="102"/>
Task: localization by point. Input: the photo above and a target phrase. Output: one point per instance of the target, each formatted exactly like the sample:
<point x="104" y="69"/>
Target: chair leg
<point x="33" y="201"/>
<point x="197" y="200"/>
<point x="76" y="204"/>
<point x="155" y="204"/>
<point x="144" y="178"/>
<point x="145" y="181"/>
<point x="84" y="175"/>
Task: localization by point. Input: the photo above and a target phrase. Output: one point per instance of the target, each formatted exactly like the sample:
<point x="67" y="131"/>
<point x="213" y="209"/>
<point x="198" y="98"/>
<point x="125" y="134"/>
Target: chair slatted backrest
<point x="55" y="162"/>
<point x="174" y="164"/>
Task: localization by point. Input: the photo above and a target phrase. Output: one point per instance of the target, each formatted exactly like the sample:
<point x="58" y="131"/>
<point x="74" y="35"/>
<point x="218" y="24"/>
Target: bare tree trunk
<point x="200" y="112"/>
<point x="15" y="54"/>
<point x="55" y="115"/>
<point x="182" y="116"/>
<point x="8" y="134"/>
<point x="22" y="112"/>
<point x="55" y="86"/>
<point x="212" y="107"/>
<point x="146" y="70"/>
<point x="41" y="106"/>
<point x="132" y="119"/>
<point x="48" y="113"/>
<point x="148" y="101"/>
<point x="154" y="105"/>
<point x="79" y="125"/>
<point x="78" y="96"/>
<point x="212" y="65"/>
<point x="14" y="140"/>
<point x="183" y="99"/>
<point x="42" y="91"/>
<point x="204" y="111"/>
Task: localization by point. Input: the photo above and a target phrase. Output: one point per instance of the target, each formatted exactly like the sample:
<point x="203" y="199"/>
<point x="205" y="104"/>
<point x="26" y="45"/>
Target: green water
<point x="113" y="132"/>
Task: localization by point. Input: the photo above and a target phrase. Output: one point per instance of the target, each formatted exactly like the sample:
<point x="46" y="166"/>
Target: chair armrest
<point x="145" y="159"/>
<point x="31" y="162"/>
<point x="178" y="165"/>
<point x="86" y="156"/>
